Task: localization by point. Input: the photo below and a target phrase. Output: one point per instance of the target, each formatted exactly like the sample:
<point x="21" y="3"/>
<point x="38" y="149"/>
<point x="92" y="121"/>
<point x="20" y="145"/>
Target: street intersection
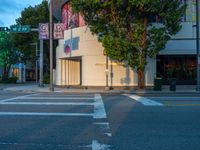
<point x="99" y="121"/>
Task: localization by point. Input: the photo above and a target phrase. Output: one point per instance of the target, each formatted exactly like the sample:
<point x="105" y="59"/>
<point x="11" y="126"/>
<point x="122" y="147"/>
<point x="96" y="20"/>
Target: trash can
<point x="157" y="84"/>
<point x="172" y="84"/>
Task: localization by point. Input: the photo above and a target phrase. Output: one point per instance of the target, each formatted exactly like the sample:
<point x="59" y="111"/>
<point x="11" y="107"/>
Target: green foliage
<point x="46" y="79"/>
<point x="128" y="32"/>
<point x="32" y="16"/>
<point x="8" y="55"/>
<point x="9" y="80"/>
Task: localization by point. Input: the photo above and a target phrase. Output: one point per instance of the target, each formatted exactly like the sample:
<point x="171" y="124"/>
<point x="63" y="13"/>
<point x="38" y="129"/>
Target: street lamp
<point x="197" y="46"/>
<point x="71" y="25"/>
<point x="36" y="60"/>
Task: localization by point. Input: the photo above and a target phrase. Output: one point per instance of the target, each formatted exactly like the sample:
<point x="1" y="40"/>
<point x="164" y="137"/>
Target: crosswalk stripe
<point x="46" y="103"/>
<point x="45" y="114"/>
<point x="143" y="100"/>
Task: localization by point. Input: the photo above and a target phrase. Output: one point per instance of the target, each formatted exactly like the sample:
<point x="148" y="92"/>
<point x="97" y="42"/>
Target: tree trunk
<point x="141" y="67"/>
<point x="141" y="78"/>
<point x="5" y="73"/>
<point x="6" y="70"/>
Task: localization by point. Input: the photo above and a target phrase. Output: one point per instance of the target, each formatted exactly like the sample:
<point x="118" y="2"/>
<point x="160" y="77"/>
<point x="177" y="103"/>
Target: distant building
<point x="19" y="71"/>
<point x="84" y="62"/>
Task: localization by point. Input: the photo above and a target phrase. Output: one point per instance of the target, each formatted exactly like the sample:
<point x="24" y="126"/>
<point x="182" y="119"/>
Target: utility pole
<point x="36" y="62"/>
<point x="197" y="46"/>
<point x="51" y="88"/>
<point x="41" y="64"/>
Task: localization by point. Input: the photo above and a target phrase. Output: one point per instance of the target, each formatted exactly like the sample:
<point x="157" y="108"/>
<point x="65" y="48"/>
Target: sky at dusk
<point x="11" y="10"/>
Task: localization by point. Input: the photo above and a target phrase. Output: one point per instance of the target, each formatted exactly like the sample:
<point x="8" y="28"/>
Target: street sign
<point x="20" y="29"/>
<point x="58" y="31"/>
<point x="4" y="29"/>
<point x="43" y="31"/>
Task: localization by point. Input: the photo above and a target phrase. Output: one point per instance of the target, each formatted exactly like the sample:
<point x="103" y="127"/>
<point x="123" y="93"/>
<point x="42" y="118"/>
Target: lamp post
<point x="107" y="72"/>
<point x="197" y="46"/>
<point x="36" y="61"/>
<point x="51" y="88"/>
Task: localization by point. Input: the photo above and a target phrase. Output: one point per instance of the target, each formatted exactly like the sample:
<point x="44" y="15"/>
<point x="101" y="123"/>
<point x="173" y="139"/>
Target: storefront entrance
<point x="71" y="71"/>
<point x="181" y="67"/>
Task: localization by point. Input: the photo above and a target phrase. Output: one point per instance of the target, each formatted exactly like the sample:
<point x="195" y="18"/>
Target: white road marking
<point x="30" y="144"/>
<point x="103" y="125"/>
<point x="46" y="114"/>
<point x="47" y="103"/>
<point x="99" y="110"/>
<point x="56" y="98"/>
<point x="97" y="146"/>
<point x="19" y="97"/>
<point x="108" y="134"/>
<point x="144" y="101"/>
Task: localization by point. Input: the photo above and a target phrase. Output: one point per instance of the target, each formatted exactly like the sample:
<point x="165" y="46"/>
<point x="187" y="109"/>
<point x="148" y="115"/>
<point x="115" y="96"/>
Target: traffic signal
<point x="4" y="29"/>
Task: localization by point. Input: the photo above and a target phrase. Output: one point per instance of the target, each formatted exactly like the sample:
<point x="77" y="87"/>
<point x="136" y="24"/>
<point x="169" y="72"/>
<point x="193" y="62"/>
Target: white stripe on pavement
<point x="98" y="146"/>
<point x="99" y="110"/>
<point x="143" y="100"/>
<point x="46" y="103"/>
<point x="57" y="98"/>
<point x="46" y="114"/>
<point x="19" y="97"/>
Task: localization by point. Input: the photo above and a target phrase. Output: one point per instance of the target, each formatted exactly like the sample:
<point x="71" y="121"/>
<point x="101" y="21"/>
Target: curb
<point x="105" y="92"/>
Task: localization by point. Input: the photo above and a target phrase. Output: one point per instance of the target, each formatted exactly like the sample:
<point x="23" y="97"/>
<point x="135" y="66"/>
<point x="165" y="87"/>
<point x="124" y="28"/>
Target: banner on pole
<point x="58" y="31"/>
<point x="43" y="31"/>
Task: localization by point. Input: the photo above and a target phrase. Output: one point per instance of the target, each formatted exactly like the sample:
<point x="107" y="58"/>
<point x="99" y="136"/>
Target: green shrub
<point x="9" y="80"/>
<point x="46" y="79"/>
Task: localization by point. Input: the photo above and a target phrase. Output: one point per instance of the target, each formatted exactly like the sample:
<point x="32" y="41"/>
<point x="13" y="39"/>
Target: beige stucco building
<point x="86" y="65"/>
<point x="80" y="59"/>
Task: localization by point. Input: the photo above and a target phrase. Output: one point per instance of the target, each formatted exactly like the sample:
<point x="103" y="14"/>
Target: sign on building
<point x="58" y="31"/>
<point x="71" y="45"/>
<point x="43" y="31"/>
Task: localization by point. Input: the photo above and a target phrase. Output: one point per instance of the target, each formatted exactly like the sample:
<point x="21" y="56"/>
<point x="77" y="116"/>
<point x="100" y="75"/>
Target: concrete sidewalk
<point x="189" y="89"/>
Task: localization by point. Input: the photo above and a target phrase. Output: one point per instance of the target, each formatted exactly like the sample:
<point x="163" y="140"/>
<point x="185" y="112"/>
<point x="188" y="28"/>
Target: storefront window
<point x="15" y="72"/>
<point x="181" y="67"/>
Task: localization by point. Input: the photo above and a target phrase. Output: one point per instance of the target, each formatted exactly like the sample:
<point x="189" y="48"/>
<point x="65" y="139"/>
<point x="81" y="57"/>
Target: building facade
<point x="80" y="58"/>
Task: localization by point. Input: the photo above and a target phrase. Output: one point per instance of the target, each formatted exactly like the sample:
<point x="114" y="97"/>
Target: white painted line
<point x="19" y="97"/>
<point x="47" y="103"/>
<point x="97" y="146"/>
<point x="99" y="110"/>
<point x="46" y="114"/>
<point x="103" y="125"/>
<point x="56" y="98"/>
<point x="61" y="91"/>
<point x="108" y="134"/>
<point x="144" y="101"/>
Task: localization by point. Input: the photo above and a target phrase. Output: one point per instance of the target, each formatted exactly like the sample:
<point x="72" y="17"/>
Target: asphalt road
<point x="60" y="121"/>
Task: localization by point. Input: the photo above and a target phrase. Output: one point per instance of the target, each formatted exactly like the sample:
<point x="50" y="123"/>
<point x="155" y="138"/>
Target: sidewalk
<point x="30" y="87"/>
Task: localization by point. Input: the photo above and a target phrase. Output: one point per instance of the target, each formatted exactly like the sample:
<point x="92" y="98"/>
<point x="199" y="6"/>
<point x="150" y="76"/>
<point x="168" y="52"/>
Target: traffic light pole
<point x="41" y="84"/>
<point x="197" y="46"/>
<point x="51" y="88"/>
<point x="41" y="64"/>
